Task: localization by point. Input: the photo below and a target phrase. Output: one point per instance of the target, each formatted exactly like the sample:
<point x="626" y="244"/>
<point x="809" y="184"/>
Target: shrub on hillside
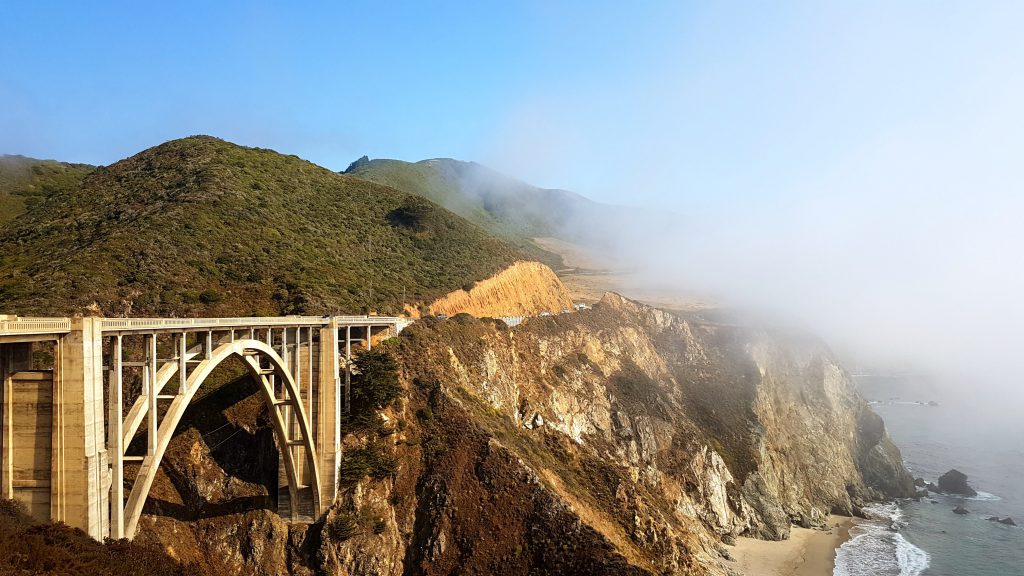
<point x="375" y="381"/>
<point x="342" y="526"/>
<point x="373" y="460"/>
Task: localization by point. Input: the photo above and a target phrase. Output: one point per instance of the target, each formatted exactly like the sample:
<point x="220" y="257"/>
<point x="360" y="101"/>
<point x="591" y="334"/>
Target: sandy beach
<point x="806" y="553"/>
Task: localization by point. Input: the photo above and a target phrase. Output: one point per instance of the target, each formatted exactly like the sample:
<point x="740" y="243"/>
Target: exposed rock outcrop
<point x="213" y="502"/>
<point x="663" y="435"/>
<point x="955" y="482"/>
<point x="618" y="440"/>
<point x="522" y="289"/>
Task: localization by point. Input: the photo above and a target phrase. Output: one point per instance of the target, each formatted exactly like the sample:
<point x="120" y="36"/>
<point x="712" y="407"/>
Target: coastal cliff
<point x="618" y="440"/>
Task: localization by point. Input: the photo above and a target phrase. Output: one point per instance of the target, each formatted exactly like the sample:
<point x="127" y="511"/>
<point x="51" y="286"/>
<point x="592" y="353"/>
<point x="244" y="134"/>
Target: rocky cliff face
<point x="522" y="289"/>
<point x="660" y="434"/>
<point x="619" y="440"/>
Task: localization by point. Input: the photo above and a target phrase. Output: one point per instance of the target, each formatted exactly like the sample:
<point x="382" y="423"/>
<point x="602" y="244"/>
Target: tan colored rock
<point x="522" y="289"/>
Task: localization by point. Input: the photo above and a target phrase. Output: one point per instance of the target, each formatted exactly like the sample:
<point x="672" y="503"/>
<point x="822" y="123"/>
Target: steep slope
<point x="621" y="440"/>
<point x="202" y="226"/>
<point x="522" y="289"/>
<point x="502" y="205"/>
<point x="31" y="548"/>
<point x="618" y="440"/>
<point x="25" y="181"/>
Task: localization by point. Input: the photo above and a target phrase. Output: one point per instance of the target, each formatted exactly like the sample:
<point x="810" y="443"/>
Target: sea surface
<point x="979" y="434"/>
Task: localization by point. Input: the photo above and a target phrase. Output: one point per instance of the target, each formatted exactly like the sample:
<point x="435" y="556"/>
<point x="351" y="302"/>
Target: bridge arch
<point x="263" y="363"/>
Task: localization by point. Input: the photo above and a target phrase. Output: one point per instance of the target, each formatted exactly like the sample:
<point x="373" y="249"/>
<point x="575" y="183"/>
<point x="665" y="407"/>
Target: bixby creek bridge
<point x="79" y="394"/>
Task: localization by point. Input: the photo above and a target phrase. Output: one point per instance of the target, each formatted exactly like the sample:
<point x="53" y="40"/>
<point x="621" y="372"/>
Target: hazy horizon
<point x="849" y="168"/>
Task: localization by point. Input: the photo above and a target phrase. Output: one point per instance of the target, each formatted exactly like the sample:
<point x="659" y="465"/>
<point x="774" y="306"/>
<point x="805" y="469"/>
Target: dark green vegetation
<point x="199" y="226"/>
<point x="374" y="385"/>
<point x="55" y="549"/>
<point x="373" y="460"/>
<point x="26" y="181"/>
<point x="342" y="526"/>
<point x="505" y="207"/>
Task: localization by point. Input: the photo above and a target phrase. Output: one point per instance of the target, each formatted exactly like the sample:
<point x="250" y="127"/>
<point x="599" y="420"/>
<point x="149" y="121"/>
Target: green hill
<point x="199" y="226"/>
<point x="504" y="206"/>
<point x="23" y="181"/>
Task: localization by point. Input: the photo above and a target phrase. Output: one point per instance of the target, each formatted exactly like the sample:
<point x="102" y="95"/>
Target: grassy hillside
<point x="502" y="205"/>
<point x="201" y="226"/>
<point x="24" y="181"/>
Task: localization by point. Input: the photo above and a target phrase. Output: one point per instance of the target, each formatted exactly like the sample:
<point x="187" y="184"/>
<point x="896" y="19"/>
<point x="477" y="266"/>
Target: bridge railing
<point x="15" y="325"/>
<point x="27" y="326"/>
<point x="129" y="324"/>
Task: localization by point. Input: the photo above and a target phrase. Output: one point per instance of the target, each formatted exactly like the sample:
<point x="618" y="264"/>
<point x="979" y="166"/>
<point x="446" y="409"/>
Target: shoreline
<point x="807" y="552"/>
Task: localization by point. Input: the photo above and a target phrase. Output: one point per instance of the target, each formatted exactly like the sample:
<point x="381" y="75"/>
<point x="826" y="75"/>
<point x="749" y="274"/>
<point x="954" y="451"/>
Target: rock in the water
<point x="961" y="510"/>
<point x="933" y="488"/>
<point x="955" y="482"/>
<point x="919" y="482"/>
<point x="1008" y="521"/>
<point x="993" y="518"/>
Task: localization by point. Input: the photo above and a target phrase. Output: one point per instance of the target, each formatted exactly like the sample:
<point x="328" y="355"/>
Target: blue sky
<point x="852" y="164"/>
<point x="673" y="103"/>
<point x="327" y="81"/>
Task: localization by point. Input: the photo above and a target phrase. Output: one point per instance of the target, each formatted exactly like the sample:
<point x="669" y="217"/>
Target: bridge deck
<point x="14" y="326"/>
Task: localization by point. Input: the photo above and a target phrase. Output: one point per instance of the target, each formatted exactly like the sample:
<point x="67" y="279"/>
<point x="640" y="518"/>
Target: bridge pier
<point x="329" y="409"/>
<point x="80" y="466"/>
<point x="16" y="359"/>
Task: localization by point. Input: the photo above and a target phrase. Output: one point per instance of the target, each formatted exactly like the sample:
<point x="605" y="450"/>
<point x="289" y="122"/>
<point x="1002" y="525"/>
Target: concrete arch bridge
<point x="76" y="392"/>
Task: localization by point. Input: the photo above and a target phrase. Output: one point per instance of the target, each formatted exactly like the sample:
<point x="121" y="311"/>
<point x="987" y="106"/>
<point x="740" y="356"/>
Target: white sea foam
<point x="984" y="496"/>
<point x="876" y="549"/>
<point x="911" y="559"/>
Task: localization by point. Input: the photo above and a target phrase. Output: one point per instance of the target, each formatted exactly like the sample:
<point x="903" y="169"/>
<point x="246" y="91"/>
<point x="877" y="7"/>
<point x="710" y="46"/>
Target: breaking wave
<point x="878" y="549"/>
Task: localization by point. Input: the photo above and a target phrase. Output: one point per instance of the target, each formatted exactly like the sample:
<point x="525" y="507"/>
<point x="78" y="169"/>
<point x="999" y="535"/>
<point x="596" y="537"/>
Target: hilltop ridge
<point x="504" y="206"/>
<point x="201" y="226"/>
<point x="25" y="181"/>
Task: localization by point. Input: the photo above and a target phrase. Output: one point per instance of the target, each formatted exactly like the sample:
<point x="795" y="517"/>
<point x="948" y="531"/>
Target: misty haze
<point x="679" y="288"/>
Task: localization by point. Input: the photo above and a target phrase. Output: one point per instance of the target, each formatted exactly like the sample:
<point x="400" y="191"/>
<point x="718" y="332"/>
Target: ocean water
<point x="978" y="434"/>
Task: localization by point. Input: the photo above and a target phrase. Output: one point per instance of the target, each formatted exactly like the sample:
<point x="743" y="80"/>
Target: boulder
<point x="920" y="483"/>
<point x="961" y="510"/>
<point x="955" y="482"/>
<point x="933" y="488"/>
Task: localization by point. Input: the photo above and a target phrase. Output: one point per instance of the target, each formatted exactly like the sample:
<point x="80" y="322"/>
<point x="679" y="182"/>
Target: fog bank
<point x="850" y="170"/>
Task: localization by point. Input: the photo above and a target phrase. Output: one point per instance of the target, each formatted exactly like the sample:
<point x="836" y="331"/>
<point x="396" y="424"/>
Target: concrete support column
<point x="26" y="459"/>
<point x="348" y="369"/>
<point x="7" y="439"/>
<point x="328" y="431"/>
<point x="115" y="440"/>
<point x="80" y="456"/>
